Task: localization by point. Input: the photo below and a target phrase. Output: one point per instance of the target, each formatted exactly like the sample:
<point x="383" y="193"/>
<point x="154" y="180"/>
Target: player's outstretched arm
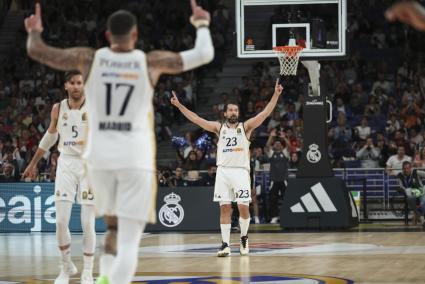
<point x="49" y="139"/>
<point x="167" y="62"/>
<point x="408" y="12"/>
<point x="78" y="58"/>
<point x="211" y="126"/>
<point x="257" y="120"/>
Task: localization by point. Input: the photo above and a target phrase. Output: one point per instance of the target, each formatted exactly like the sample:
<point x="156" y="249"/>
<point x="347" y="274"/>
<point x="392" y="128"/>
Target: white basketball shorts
<point x="126" y="193"/>
<point x="232" y="185"/>
<point x="71" y="181"/>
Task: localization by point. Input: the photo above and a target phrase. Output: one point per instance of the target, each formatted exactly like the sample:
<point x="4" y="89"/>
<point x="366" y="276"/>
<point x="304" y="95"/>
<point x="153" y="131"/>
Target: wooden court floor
<point x="385" y="256"/>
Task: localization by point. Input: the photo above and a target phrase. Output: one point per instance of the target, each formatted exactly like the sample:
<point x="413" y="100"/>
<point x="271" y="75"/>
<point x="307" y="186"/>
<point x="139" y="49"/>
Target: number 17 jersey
<point x="233" y="147"/>
<point x="121" y="118"/>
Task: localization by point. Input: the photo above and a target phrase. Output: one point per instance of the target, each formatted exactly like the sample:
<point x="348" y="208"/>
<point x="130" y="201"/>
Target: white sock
<point x="125" y="264"/>
<point x="88" y="262"/>
<point x="105" y="264"/>
<point x="88" y="216"/>
<point x="225" y="233"/>
<point x="66" y="255"/>
<point x="63" y="236"/>
<point x="244" y="224"/>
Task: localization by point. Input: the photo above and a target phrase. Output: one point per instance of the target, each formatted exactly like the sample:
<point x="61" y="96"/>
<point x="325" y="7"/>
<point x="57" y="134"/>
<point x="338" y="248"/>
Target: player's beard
<point x="76" y="96"/>
<point x="233" y="119"/>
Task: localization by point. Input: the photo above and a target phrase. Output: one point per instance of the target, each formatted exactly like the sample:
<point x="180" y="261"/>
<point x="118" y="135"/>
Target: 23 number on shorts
<point x="242" y="194"/>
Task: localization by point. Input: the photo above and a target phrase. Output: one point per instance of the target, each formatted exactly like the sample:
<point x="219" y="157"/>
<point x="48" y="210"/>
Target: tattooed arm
<point x="78" y="58"/>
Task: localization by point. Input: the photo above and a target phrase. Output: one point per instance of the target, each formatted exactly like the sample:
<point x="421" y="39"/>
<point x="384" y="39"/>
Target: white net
<point x="288" y="59"/>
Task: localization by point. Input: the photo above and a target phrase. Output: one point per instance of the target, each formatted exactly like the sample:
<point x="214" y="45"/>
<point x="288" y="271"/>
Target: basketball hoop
<point x="288" y="58"/>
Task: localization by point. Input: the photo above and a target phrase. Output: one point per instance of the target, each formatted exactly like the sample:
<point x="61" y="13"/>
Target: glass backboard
<point x="318" y="25"/>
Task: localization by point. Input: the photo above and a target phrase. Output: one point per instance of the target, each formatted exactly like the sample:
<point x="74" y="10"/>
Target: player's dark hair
<point x="230" y="103"/>
<point x="70" y="74"/>
<point x="405" y="163"/>
<point x="121" y="22"/>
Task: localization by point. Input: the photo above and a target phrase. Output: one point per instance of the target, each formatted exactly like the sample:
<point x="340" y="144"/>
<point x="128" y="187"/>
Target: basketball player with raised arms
<point x="68" y="121"/>
<point x="232" y="183"/>
<point x="121" y="149"/>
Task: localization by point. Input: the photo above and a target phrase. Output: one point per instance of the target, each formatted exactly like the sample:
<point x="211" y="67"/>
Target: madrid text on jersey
<point x="117" y="126"/>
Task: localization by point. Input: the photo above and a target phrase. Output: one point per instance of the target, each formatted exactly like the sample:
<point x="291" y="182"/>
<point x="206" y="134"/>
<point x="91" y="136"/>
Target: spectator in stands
<point x="209" y="178"/>
<point x="372" y="108"/>
<point x="10" y="173"/>
<point x="381" y="83"/>
<point x="294" y="161"/>
<point x="392" y="124"/>
<point x="274" y="121"/>
<point x="341" y="108"/>
<point x="410" y="182"/>
<point x="177" y="180"/>
<point x="363" y="130"/>
<point x="415" y="137"/>
<point x="395" y="162"/>
<point x="400" y="140"/>
<point x="369" y="155"/>
<point x="419" y="161"/>
<point x="411" y="114"/>
<point x="279" y="164"/>
<point x="164" y="178"/>
<point x="340" y="138"/>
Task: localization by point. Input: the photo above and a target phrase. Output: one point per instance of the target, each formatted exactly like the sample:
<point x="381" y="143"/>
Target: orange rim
<point x="289" y="50"/>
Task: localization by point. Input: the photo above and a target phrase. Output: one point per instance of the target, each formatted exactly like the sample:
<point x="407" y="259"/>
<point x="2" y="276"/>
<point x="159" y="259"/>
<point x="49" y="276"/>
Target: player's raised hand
<point x="174" y="100"/>
<point x="411" y="13"/>
<point x="200" y="17"/>
<point x="34" y="23"/>
<point x="278" y="87"/>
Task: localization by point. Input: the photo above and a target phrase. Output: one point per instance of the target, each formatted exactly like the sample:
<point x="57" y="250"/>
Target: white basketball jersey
<point x="72" y="129"/>
<point x="119" y="101"/>
<point x="233" y="147"/>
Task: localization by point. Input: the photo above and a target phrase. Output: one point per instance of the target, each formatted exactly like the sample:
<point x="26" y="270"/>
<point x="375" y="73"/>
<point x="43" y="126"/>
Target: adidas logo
<point x="310" y="203"/>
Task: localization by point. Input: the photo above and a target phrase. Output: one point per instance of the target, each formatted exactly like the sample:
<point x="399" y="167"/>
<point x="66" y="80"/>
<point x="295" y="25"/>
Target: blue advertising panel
<point x="30" y="207"/>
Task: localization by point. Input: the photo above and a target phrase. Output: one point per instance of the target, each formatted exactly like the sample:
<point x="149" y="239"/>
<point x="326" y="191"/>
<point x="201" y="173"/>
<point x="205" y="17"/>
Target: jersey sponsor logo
<point x="73" y="143"/>
<point x="239" y="131"/>
<point x="171" y="213"/>
<point x="117" y="126"/>
<point x="120" y="75"/>
<point x="313" y="154"/>
<point x="233" y="150"/>
<point x="120" y="65"/>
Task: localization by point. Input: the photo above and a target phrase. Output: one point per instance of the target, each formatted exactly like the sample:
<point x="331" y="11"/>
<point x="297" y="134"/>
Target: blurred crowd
<point x="28" y="90"/>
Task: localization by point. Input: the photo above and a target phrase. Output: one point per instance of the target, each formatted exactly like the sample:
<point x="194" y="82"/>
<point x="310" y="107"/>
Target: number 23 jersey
<point x="121" y="118"/>
<point x="233" y="147"/>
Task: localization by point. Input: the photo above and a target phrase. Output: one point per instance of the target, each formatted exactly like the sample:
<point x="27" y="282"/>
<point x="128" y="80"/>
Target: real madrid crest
<point x="65" y="116"/>
<point x="171" y="213"/>
<point x="313" y="154"/>
<point x="84" y="116"/>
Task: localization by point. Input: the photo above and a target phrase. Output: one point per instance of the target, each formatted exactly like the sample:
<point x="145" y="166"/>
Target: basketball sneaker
<point x="86" y="277"/>
<point x="244" y="246"/>
<point x="102" y="280"/>
<point x="224" y="250"/>
<point x="67" y="269"/>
